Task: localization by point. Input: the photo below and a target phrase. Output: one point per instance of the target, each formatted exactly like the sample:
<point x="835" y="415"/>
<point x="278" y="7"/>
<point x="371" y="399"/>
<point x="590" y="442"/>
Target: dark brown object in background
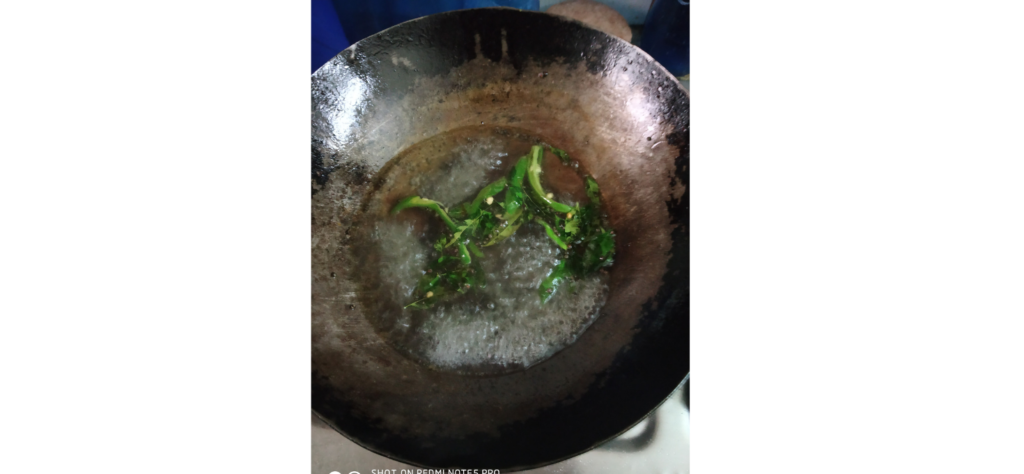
<point x="594" y="15"/>
<point x="611" y="107"/>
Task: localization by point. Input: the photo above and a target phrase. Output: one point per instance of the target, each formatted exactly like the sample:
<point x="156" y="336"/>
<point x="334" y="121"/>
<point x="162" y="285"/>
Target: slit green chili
<point x="489" y="191"/>
<point x="416" y="201"/>
<point x="551" y="233"/>
<point x="514" y="196"/>
<point x="533" y="172"/>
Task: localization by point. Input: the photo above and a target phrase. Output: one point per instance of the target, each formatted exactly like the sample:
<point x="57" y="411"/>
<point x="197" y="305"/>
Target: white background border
<point x="857" y="237"/>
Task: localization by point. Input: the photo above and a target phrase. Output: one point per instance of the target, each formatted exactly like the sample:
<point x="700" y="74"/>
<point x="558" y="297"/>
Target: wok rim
<point x="665" y="74"/>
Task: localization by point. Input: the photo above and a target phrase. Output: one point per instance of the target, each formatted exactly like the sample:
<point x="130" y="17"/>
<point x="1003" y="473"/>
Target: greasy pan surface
<point x="611" y="107"/>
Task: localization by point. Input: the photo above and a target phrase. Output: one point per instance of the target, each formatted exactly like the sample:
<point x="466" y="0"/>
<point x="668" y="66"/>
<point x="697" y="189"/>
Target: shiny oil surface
<point x="503" y="326"/>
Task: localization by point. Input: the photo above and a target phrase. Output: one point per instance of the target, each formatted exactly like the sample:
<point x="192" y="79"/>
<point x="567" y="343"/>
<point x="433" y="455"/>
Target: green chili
<point x="491" y="189"/>
<point x="416" y="201"/>
<point x="514" y="196"/>
<point x="533" y="172"/>
<point x="551" y="233"/>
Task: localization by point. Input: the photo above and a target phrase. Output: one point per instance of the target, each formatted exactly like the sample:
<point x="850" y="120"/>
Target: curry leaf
<point x="572" y="226"/>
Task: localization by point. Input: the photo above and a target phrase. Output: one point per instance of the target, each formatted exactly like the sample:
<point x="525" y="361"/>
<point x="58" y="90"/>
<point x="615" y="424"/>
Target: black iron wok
<point x="611" y="107"/>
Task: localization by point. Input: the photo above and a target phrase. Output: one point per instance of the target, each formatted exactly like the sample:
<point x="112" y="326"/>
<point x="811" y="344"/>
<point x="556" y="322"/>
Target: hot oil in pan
<point x="497" y="329"/>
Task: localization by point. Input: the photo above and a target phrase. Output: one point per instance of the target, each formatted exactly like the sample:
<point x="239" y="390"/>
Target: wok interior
<point x="604" y="102"/>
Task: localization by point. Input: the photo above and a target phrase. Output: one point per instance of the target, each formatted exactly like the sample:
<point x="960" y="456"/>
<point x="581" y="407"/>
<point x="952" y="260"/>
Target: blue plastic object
<point x="328" y="35"/>
<point x="666" y="35"/>
<point x="520" y="4"/>
<point x="362" y="18"/>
